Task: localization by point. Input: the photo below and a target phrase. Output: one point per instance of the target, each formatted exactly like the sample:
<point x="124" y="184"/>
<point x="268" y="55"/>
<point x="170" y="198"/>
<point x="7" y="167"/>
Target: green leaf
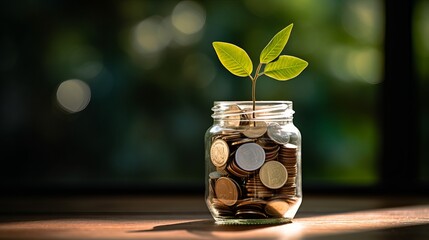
<point x="234" y="58"/>
<point x="276" y="45"/>
<point x="285" y="68"/>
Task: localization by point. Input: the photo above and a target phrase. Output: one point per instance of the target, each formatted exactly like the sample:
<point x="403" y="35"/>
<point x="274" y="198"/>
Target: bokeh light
<point x="365" y="65"/>
<point x="358" y="20"/>
<point x="188" y="17"/>
<point x="353" y="64"/>
<point x="73" y="95"/>
<point x="151" y="36"/>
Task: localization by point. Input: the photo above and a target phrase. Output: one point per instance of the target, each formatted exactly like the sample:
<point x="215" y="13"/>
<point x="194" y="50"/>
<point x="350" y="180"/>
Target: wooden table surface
<point x="186" y="217"/>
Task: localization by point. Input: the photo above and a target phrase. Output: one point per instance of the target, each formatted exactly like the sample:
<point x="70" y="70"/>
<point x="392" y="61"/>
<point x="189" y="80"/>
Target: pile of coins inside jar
<point x="255" y="170"/>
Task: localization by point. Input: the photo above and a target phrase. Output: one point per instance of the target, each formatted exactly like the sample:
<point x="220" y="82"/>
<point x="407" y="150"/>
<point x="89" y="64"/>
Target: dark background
<point x="142" y="77"/>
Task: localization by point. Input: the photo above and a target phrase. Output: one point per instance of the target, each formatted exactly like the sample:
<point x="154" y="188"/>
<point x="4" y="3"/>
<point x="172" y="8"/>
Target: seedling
<point x="282" y="68"/>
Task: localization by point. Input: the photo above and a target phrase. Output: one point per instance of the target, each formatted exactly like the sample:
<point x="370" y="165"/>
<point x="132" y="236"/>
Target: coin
<point x="273" y="174"/>
<point x="227" y="135"/>
<point x="219" y="152"/>
<point x="221" y="209"/>
<point x="250" y="156"/>
<point x="276" y="132"/>
<point x="291" y="180"/>
<point x="255" y="129"/>
<point x="236" y="171"/>
<point x="277" y="208"/>
<point x="291" y="171"/>
<point x="290" y="146"/>
<point x="226" y="190"/>
<point x="269" y="146"/>
<point x="294" y="137"/>
<point x="215" y="175"/>
<point x="233" y="116"/>
<point x="250" y="214"/>
<point x="251" y="208"/>
<point x="231" y="137"/>
<point x="251" y="201"/>
<point x="255" y="188"/>
<point x="222" y="170"/>
<point x="271" y="156"/>
<point x="289" y="190"/>
<point x="243" y="140"/>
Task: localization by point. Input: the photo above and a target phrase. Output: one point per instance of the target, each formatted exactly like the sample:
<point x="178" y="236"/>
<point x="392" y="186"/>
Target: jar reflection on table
<point x="253" y="163"/>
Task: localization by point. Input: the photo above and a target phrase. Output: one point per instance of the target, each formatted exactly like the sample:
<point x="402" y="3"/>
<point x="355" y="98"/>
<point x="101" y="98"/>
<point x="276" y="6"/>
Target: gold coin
<point x="230" y="137"/>
<point x="219" y="152"/>
<point x="226" y="191"/>
<point x="273" y="174"/>
<point x="277" y="208"/>
<point x="255" y="129"/>
<point x="243" y="140"/>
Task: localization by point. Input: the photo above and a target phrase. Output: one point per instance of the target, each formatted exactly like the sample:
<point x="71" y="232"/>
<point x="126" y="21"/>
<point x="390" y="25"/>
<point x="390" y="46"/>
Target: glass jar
<point x="253" y="163"/>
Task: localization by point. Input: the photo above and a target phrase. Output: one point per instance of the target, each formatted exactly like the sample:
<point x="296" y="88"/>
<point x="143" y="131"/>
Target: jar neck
<point x="270" y="111"/>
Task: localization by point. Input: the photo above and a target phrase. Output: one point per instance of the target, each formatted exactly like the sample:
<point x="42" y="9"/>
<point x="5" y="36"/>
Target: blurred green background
<point x="118" y="93"/>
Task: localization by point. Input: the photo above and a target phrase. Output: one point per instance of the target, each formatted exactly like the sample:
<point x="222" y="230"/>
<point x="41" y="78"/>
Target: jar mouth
<point x="264" y="110"/>
<point x="250" y="102"/>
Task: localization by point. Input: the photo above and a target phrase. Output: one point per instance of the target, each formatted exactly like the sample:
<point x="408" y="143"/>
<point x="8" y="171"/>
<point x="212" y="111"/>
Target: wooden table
<point x="186" y="217"/>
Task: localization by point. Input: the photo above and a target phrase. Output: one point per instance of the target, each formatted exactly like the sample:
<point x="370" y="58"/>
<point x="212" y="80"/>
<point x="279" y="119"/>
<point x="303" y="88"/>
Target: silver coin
<point x="293" y="137"/>
<point x="250" y="156"/>
<point x="215" y="175"/>
<point x="277" y="133"/>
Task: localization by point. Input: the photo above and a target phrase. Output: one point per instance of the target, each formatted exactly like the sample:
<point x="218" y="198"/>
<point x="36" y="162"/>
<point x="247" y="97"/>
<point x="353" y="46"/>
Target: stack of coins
<point x="255" y="170"/>
<point x="251" y="208"/>
<point x="288" y="156"/>
<point x="255" y="188"/>
<point x="270" y="147"/>
<point x="222" y="209"/>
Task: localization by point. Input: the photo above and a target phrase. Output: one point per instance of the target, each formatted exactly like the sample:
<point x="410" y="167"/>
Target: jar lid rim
<point x="265" y="110"/>
<point x="250" y="102"/>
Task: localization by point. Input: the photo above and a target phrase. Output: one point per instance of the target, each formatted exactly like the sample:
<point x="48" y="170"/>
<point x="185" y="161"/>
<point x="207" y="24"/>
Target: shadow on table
<point x="204" y="226"/>
<point x="409" y="222"/>
<point x="416" y="232"/>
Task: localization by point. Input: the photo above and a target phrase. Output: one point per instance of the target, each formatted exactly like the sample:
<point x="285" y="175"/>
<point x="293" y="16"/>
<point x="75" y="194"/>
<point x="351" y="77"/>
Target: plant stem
<point x="254" y="87"/>
<point x="254" y="94"/>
